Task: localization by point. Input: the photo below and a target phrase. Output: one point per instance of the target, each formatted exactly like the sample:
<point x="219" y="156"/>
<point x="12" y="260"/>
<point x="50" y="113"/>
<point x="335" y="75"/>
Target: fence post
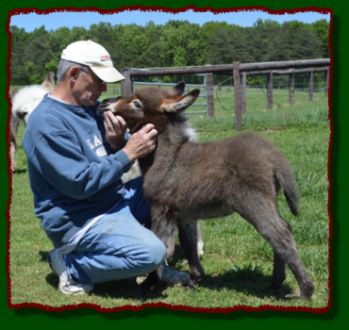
<point x="270" y="91"/>
<point x="126" y="85"/>
<point x="243" y="91"/>
<point x="327" y="79"/>
<point x="311" y="85"/>
<point x="291" y="94"/>
<point x="209" y="94"/>
<point x="237" y="98"/>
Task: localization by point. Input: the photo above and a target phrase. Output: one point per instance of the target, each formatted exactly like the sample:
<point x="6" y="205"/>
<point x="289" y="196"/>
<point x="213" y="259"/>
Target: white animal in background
<point x="24" y="101"/>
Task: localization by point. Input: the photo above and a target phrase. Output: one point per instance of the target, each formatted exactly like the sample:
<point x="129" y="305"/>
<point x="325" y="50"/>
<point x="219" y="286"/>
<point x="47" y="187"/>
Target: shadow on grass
<point x="246" y="280"/>
<point x="127" y="288"/>
<point x="122" y="289"/>
<point x="44" y="256"/>
<point x="21" y="170"/>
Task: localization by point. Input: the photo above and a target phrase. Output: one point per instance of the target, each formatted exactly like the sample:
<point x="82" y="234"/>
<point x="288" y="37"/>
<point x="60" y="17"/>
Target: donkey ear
<point x="181" y="103"/>
<point x="177" y="90"/>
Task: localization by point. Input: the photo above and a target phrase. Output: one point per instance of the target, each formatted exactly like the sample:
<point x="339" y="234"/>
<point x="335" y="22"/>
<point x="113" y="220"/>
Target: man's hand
<point x="115" y="127"/>
<point x="141" y="143"/>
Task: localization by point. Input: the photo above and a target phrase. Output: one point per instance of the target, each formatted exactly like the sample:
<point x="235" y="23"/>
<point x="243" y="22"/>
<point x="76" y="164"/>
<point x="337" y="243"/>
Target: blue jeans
<point x="118" y="246"/>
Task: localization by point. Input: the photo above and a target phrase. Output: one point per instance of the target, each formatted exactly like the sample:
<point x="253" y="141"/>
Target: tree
<point x="181" y="44"/>
<point x="19" y="39"/>
<point x="266" y="42"/>
<point x="321" y="30"/>
<point x="176" y="43"/>
<point x="298" y="42"/>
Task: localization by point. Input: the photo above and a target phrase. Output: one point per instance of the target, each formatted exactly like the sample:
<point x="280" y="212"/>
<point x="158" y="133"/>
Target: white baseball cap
<point x="95" y="56"/>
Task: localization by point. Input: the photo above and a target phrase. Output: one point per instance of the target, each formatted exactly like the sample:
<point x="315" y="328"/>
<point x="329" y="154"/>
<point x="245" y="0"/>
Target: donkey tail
<point x="284" y="177"/>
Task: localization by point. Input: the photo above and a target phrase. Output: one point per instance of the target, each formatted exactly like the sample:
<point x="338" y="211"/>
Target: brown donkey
<point x="186" y="181"/>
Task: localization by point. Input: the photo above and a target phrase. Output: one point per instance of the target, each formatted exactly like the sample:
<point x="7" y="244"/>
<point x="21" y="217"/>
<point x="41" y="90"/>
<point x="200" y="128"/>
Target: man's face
<point x="88" y="87"/>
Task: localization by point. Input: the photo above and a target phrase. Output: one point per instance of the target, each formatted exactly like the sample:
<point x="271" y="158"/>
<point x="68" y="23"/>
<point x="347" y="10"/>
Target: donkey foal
<point x="186" y="181"/>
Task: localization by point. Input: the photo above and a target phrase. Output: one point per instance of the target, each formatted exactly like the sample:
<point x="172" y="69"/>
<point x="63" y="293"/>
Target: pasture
<point x="238" y="263"/>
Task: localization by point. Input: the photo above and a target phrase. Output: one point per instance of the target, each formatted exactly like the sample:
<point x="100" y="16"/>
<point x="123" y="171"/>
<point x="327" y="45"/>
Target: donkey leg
<point x="264" y="217"/>
<point x="188" y="236"/>
<point x="278" y="276"/>
<point x="290" y="255"/>
<point x="13" y="156"/>
<point x="286" y="251"/>
<point x="164" y="225"/>
<point x="13" y="141"/>
<point x="200" y="242"/>
<point x="170" y="246"/>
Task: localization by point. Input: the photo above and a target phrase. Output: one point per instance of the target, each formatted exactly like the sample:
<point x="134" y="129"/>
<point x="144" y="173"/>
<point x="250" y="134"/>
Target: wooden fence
<point x="239" y="71"/>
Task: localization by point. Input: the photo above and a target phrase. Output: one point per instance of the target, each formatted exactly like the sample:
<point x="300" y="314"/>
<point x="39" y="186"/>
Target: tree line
<point x="176" y="43"/>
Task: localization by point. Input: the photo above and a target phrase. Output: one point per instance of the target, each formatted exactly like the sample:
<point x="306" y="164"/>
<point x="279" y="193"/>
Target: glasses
<point x="99" y="81"/>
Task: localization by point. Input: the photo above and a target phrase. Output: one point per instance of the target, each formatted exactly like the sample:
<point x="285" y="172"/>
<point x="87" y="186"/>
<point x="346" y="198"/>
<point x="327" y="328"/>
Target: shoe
<point x="66" y="284"/>
<point x="173" y="276"/>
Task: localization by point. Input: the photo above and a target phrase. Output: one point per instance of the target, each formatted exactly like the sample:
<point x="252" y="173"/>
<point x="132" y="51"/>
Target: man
<point x="75" y="161"/>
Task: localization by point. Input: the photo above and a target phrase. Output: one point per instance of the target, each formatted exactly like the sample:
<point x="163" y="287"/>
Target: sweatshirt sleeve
<point x="65" y="167"/>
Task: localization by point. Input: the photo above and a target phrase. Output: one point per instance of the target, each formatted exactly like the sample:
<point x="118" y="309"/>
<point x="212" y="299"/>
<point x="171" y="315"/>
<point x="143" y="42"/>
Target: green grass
<point x="238" y="262"/>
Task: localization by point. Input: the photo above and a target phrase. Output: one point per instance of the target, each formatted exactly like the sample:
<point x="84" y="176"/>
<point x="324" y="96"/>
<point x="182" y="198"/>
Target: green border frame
<point x="161" y="317"/>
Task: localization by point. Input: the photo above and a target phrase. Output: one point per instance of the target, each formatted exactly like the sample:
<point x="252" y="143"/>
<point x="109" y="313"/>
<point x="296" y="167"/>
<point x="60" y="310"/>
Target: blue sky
<point x="52" y="21"/>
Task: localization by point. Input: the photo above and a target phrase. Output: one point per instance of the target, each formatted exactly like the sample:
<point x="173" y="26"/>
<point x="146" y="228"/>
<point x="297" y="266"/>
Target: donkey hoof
<point x="275" y="286"/>
<point x="307" y="291"/>
<point x="291" y="296"/>
<point x="196" y="276"/>
<point x="192" y="284"/>
<point x="305" y="295"/>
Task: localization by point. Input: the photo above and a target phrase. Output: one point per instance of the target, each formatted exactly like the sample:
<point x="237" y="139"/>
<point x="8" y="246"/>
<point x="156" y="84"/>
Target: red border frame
<point x="220" y="310"/>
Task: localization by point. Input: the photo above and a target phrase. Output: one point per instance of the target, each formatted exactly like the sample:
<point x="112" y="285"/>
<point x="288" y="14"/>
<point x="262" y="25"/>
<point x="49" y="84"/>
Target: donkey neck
<point x="176" y="134"/>
<point x="177" y="131"/>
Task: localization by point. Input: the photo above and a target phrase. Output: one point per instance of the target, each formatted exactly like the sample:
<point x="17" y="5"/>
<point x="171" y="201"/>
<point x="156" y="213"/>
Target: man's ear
<point x="74" y="72"/>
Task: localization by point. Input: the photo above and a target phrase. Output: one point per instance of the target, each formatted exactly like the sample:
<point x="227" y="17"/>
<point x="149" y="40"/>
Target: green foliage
<point x="176" y="43"/>
<point x="320" y="28"/>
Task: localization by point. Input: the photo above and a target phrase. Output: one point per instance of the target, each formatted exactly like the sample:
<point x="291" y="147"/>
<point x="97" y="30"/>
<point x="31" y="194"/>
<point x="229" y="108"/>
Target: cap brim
<point x="107" y="74"/>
